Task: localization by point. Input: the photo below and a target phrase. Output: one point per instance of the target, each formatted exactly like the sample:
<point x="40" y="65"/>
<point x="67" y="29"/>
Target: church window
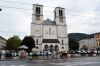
<point x="62" y="42"/>
<point x="60" y="13"/>
<point x="62" y="47"/>
<point x="36" y="41"/>
<point x="37" y="10"/>
<point x="49" y="31"/>
<point x="36" y="31"/>
<point x="36" y="47"/>
<point x="37" y="13"/>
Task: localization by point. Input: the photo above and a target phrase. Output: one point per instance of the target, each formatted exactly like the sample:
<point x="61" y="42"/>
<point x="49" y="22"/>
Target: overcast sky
<point x="82" y="16"/>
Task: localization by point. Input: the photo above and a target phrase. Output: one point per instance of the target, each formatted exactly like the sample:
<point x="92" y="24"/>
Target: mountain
<point x="77" y="36"/>
<point x="80" y="36"/>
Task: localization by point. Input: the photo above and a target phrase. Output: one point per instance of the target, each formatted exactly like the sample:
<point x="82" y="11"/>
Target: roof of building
<point x="37" y="5"/>
<point x="3" y="38"/>
<point x="50" y="41"/>
<point x="49" y="22"/>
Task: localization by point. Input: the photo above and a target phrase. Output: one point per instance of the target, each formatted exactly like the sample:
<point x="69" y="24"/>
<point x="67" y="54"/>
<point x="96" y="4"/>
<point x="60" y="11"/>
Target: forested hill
<point x="80" y="36"/>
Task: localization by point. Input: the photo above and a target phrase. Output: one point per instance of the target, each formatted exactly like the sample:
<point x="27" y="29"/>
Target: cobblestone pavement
<point x="84" y="61"/>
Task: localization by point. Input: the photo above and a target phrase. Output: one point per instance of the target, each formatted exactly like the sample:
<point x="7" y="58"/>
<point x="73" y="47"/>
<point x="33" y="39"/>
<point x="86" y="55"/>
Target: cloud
<point x="81" y="15"/>
<point x="14" y="23"/>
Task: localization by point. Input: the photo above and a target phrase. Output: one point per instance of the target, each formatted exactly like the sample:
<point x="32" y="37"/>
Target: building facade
<point x="89" y="43"/>
<point x="49" y="35"/>
<point x="2" y="42"/>
<point x="97" y="37"/>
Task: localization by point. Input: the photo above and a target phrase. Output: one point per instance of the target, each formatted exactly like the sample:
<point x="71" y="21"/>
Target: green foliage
<point x="13" y="42"/>
<point x="29" y="42"/>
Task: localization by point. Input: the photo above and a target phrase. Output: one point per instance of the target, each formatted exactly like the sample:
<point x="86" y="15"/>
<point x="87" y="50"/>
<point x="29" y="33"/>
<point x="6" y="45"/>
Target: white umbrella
<point x="23" y="47"/>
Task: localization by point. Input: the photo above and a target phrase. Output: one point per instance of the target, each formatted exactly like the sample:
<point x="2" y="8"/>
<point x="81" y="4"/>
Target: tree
<point x="73" y="44"/>
<point x="13" y="42"/>
<point x="29" y="42"/>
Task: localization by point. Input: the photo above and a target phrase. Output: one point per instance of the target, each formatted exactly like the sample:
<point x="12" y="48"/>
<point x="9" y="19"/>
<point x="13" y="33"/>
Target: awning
<point x="23" y="47"/>
<point x="50" y="41"/>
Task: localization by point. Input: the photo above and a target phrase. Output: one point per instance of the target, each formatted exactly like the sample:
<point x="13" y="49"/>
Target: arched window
<point x="46" y="47"/>
<point x="62" y="47"/>
<point x="37" y="10"/>
<point x="51" y="48"/>
<point x="49" y="31"/>
<point x="36" y="41"/>
<point x="60" y="13"/>
<point x="36" y="47"/>
<point x="37" y="13"/>
<point x="62" y="42"/>
<point x="56" y="48"/>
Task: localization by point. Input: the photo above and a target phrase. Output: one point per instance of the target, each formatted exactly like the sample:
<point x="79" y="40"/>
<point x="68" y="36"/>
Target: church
<point x="49" y="35"/>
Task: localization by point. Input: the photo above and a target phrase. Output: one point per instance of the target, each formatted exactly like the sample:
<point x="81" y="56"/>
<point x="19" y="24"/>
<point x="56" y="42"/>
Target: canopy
<point x="23" y="47"/>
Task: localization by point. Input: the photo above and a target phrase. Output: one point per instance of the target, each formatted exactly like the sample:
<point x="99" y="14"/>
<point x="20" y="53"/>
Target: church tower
<point x="37" y="16"/>
<point x="59" y="16"/>
<point x="60" y="19"/>
<point x="36" y="24"/>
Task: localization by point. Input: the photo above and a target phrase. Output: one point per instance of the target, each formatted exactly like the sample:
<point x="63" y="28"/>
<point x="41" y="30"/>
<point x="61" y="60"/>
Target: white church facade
<point x="49" y="35"/>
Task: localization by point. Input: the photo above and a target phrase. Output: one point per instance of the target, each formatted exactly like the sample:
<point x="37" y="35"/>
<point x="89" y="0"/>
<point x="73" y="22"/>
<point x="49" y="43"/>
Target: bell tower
<point x="37" y="16"/>
<point x="36" y="24"/>
<point x="59" y="16"/>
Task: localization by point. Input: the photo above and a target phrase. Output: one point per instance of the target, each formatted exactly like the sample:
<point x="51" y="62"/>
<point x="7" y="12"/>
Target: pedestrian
<point x="47" y="54"/>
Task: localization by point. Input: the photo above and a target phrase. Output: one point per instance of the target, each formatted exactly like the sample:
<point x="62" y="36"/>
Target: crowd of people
<point x="22" y="54"/>
<point x="6" y="54"/>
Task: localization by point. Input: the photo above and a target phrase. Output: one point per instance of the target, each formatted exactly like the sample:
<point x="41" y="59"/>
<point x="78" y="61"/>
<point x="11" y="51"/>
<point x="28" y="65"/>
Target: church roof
<point x="50" y="41"/>
<point x="48" y="22"/>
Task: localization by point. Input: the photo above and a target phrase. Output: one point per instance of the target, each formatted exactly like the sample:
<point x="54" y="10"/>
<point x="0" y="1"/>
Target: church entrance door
<point x="46" y="47"/>
<point x="56" y="48"/>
